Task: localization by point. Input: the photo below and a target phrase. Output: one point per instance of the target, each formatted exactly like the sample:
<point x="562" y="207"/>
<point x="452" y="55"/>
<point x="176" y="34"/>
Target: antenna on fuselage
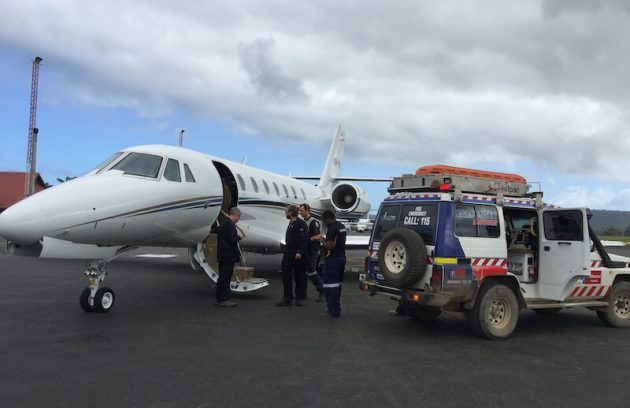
<point x="181" y="138"/>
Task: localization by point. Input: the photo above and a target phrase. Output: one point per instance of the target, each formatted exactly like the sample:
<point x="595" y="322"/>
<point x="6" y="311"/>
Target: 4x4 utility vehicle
<point x="460" y="240"/>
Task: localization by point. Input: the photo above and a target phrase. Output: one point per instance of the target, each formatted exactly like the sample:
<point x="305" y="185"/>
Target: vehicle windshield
<point x="140" y="164"/>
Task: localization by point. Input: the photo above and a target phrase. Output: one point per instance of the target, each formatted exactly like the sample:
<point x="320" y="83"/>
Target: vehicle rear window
<point x="386" y="221"/>
<point x="421" y="218"/>
<point x="140" y="164"/>
<point x="476" y="221"/>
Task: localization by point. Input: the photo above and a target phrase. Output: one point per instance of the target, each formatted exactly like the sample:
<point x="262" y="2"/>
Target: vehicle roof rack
<point x="450" y="178"/>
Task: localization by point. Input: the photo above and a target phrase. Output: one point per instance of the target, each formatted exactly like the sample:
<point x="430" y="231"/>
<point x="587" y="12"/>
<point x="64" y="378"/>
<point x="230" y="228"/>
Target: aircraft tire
<point x="104" y="300"/>
<point x="84" y="300"/>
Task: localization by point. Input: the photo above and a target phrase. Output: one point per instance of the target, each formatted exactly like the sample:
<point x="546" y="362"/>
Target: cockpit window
<point x="140" y="164"/>
<point x="171" y="172"/>
<point x="109" y="161"/>
<point x="189" y="176"/>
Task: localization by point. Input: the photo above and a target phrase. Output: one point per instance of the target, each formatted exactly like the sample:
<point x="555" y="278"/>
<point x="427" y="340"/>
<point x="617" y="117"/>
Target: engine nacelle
<point x="349" y="198"/>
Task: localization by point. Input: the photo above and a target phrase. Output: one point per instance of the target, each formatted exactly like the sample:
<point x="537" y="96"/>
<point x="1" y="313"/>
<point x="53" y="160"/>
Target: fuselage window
<point x="303" y="194"/>
<point x="294" y="193"/>
<point x="189" y="176"/>
<point x="171" y="172"/>
<point x="140" y="164"/>
<point x="254" y="184"/>
<point x="109" y="161"/>
<point x="275" y="186"/>
<point x="286" y="192"/>
<point x="266" y="186"/>
<point x="241" y="182"/>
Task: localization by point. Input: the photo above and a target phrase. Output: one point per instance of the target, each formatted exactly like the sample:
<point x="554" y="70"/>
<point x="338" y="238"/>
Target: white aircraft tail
<point x="332" y="167"/>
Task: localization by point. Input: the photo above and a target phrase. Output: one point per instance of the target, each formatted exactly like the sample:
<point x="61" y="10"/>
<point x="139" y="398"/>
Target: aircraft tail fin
<point x="332" y="167"/>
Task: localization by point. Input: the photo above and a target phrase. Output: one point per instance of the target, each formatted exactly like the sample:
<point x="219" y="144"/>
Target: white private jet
<point x="170" y="197"/>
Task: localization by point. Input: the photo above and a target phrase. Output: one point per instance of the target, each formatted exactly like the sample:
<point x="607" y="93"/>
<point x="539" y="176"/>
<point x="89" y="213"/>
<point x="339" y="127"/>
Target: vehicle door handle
<point x="564" y="243"/>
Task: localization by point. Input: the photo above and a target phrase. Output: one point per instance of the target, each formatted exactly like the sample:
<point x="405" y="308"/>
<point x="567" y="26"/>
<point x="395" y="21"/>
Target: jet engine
<point x="349" y="198"/>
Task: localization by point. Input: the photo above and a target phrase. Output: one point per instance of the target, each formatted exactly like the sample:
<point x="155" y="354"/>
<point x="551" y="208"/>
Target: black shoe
<point x="298" y="302"/>
<point x="284" y="302"/>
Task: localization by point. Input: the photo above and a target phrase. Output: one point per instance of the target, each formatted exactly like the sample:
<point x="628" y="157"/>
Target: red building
<point x="12" y="187"/>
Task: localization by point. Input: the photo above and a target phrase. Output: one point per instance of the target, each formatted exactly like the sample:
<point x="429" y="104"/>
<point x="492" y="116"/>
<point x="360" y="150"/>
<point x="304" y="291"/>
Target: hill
<point x="609" y="222"/>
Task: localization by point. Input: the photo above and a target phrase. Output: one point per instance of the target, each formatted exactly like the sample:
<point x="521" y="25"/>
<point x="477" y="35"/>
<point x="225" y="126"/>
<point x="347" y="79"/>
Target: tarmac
<point x="164" y="344"/>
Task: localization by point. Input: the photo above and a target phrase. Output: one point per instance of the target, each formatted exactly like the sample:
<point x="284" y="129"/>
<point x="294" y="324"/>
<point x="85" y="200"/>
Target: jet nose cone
<point x="22" y="223"/>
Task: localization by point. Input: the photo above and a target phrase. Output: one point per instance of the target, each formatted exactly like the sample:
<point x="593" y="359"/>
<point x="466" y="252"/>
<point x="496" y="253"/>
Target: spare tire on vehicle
<point x="402" y="257"/>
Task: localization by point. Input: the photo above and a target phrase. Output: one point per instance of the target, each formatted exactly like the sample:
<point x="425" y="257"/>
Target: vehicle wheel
<point x="84" y="300"/>
<point x="548" y="312"/>
<point x="402" y="257"/>
<point x="617" y="313"/>
<point x="495" y="313"/>
<point x="104" y="300"/>
<point x="425" y="314"/>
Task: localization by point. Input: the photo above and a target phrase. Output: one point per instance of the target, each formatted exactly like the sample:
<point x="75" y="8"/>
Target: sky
<point x="537" y="88"/>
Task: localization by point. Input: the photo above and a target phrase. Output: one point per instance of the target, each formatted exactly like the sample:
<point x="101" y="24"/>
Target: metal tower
<point x="29" y="187"/>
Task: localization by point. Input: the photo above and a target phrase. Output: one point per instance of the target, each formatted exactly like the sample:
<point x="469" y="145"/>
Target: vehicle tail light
<point x="436" y="278"/>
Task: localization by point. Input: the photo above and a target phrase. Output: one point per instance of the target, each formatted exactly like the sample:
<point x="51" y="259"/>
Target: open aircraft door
<point x="563" y="250"/>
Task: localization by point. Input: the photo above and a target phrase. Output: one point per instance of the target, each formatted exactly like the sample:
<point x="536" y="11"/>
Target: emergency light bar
<point x="439" y="177"/>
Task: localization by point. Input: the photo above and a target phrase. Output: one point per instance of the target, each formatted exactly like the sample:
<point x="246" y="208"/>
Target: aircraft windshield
<point x="140" y="164"/>
<point x="107" y="162"/>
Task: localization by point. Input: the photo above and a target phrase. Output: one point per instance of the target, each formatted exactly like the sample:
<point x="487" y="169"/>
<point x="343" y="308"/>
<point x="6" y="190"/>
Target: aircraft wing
<point x="357" y="241"/>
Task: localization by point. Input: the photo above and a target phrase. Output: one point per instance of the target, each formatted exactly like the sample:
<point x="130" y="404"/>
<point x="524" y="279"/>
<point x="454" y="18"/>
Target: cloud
<point x="265" y="74"/>
<point x="465" y="83"/>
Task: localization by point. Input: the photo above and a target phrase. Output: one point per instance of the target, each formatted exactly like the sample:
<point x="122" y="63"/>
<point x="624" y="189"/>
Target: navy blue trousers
<point x="311" y="270"/>
<point x="226" y="269"/>
<point x="293" y="270"/>
<point x="333" y="272"/>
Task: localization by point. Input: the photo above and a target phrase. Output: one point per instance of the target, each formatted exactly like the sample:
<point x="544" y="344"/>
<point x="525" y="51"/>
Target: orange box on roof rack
<point x="462" y="171"/>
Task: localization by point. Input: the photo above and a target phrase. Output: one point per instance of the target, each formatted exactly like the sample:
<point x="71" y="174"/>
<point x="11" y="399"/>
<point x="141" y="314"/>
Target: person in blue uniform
<point x="228" y="254"/>
<point x="295" y="252"/>
<point x="335" y="263"/>
<point x="314" y="242"/>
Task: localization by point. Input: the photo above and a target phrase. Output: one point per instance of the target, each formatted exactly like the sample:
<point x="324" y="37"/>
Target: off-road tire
<point x="402" y="257"/>
<point x="495" y="313"/>
<point x="617" y="313"/>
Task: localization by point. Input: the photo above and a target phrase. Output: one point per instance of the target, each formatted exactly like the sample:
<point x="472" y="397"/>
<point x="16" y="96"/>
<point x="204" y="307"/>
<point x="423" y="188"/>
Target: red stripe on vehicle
<point x="484" y="271"/>
<point x="590" y="292"/>
<point x="574" y="291"/>
<point x="601" y="289"/>
<point x="596" y="273"/>
<point x="584" y="289"/>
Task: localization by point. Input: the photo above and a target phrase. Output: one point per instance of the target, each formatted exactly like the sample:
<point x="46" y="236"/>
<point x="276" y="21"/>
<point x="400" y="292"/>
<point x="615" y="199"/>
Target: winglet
<point x="332" y="168"/>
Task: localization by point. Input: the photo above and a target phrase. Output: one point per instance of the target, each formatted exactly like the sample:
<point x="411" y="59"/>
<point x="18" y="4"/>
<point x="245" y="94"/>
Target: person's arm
<point x="331" y="235"/>
<point x="232" y="234"/>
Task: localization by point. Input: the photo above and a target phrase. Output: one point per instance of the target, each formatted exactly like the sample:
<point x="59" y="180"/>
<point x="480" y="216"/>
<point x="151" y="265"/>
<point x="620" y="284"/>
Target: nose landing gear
<point x="95" y="298"/>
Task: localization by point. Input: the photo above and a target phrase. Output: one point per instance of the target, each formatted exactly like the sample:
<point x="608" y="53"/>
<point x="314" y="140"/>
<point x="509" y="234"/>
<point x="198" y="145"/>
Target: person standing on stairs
<point x="228" y="254"/>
